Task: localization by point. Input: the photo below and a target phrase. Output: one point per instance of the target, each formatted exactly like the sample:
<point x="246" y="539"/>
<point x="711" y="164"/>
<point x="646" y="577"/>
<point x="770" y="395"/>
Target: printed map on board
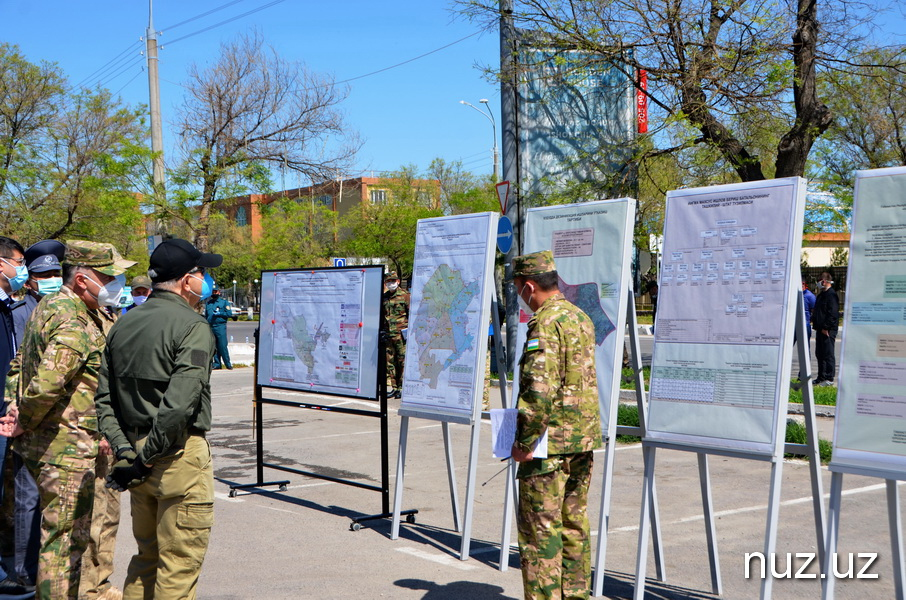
<point x="585" y="296"/>
<point x="440" y="328"/>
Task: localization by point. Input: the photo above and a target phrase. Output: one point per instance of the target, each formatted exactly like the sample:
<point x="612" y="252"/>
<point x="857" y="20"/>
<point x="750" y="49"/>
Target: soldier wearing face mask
<point x="52" y="382"/>
<point x="396" y="319"/>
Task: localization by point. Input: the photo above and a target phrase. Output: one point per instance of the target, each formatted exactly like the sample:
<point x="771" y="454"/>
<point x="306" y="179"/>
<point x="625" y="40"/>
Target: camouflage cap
<point x="101" y="257"/>
<point x="536" y="263"/>
<point x="390" y="276"/>
<point x="141" y="281"/>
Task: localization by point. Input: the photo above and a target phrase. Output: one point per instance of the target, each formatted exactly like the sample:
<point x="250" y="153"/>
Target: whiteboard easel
<point x="482" y="234"/>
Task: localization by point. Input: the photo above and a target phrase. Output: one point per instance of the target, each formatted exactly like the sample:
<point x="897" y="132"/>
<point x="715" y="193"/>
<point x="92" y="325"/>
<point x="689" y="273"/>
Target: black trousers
<point x="824" y="352"/>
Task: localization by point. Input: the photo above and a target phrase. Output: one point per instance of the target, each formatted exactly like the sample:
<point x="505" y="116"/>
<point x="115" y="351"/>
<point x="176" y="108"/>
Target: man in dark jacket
<point x="13" y="275"/>
<point x="154" y="407"/>
<point x="825" y="319"/>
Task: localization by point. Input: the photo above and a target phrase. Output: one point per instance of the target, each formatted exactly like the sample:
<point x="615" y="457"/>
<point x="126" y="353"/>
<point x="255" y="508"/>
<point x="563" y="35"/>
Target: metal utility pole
<point x="157" y="137"/>
<point x="510" y="147"/>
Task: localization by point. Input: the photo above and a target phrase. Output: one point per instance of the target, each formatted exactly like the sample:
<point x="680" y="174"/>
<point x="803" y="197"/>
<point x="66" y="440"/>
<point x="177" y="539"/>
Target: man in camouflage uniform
<point x="558" y="392"/>
<point x="396" y="315"/>
<point x="54" y="380"/>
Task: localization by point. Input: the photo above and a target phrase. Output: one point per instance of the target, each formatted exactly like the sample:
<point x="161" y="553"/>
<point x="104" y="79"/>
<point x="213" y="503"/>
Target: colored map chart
<point x="441" y="326"/>
<point x="585" y="296"/>
<point x="317" y="329"/>
<point x="449" y="313"/>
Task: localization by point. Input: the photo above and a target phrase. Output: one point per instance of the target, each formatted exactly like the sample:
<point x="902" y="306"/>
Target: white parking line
<point x="441" y="559"/>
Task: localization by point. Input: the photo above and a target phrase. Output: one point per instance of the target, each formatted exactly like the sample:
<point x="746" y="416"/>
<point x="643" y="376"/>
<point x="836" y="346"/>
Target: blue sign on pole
<point x="504" y="234"/>
<point x="339" y="262"/>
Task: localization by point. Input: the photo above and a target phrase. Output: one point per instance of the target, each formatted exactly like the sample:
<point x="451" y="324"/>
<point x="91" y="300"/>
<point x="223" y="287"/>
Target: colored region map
<point x="317" y="329"/>
<point x="585" y="296"/>
<point x="448" y="316"/>
<point x="305" y="340"/>
<point x="441" y="325"/>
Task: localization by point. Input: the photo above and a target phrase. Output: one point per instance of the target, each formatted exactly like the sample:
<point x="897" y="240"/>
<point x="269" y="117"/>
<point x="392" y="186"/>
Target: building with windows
<point x="340" y="196"/>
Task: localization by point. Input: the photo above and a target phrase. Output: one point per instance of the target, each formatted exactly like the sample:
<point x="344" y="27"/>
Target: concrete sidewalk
<point x="298" y="543"/>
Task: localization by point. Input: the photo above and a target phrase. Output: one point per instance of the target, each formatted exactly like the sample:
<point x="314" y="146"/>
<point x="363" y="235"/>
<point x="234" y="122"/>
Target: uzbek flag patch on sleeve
<point x="532" y="344"/>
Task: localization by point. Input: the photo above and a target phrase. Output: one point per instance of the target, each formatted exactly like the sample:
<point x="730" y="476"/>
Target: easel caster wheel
<point x="355" y="526"/>
<point x="283" y="488"/>
<point x="410" y="518"/>
<point x="232" y="493"/>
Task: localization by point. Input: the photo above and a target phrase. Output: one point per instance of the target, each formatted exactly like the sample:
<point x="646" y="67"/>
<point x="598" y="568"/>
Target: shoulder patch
<point x="199" y="358"/>
<point x="532" y="344"/>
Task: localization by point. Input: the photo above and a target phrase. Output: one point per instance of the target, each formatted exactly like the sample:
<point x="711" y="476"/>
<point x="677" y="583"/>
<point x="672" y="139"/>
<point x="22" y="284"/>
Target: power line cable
<point x="405" y="62"/>
<point x="109" y="79"/>
<point x="117" y="93"/>
<point x="230" y="20"/>
<point x="202" y="15"/>
<point x="118" y="58"/>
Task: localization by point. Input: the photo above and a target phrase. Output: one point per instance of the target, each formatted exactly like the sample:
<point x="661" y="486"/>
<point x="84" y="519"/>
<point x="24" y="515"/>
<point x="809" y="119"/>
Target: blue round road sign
<point x="504" y="234"/>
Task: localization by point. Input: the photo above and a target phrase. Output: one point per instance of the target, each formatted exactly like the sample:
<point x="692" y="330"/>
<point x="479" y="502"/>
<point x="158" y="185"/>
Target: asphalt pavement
<point x="298" y="543"/>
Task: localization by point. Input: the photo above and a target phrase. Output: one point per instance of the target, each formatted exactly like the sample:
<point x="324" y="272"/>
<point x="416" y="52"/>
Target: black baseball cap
<point x="174" y="258"/>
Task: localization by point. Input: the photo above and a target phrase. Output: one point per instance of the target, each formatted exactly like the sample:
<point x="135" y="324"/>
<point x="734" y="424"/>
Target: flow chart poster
<point x="728" y="287"/>
<point x="870" y="427"/>
<point x="591" y="243"/>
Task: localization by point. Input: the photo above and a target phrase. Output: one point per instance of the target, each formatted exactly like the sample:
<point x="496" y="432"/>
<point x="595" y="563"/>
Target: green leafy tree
<point x="70" y="159"/>
<point x="387" y="230"/>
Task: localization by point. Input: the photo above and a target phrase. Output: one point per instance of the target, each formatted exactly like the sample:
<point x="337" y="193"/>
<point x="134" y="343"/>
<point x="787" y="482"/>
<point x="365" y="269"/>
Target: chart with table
<point x="729" y="277"/>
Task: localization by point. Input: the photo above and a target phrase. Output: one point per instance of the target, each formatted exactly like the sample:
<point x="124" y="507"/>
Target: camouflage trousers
<point x="554" y="545"/>
<point x="97" y="563"/>
<point x="396" y="357"/>
<point x="172" y="516"/>
<point x="67" y="495"/>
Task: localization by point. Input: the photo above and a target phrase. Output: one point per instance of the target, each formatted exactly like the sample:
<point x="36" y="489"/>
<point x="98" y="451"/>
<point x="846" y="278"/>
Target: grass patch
<point x="795" y="434"/>
<point x="628" y="381"/>
<point x="628" y="415"/>
<point x="795" y="431"/>
<point x="822" y="395"/>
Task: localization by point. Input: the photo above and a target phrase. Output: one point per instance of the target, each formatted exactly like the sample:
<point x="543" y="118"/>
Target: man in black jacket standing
<point x="825" y="318"/>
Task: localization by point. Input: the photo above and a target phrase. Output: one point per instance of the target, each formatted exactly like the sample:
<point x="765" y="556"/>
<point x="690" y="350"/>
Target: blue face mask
<point x="139" y="299"/>
<point x="16" y="283"/>
<point x="49" y="285"/>
<point x="207" y="286"/>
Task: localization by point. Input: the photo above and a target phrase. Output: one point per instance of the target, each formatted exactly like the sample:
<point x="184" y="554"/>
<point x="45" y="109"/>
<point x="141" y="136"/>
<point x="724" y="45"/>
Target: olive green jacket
<point x="155" y="375"/>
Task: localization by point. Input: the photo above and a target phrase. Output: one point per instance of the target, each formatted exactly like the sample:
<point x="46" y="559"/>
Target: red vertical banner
<point x="641" y="102"/>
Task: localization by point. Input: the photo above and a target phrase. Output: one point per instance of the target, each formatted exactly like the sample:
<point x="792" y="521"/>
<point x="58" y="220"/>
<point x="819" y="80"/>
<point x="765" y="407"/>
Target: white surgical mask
<point x="109" y="294"/>
<point x="523" y="304"/>
<point x="391" y="287"/>
<point x="139" y="299"/>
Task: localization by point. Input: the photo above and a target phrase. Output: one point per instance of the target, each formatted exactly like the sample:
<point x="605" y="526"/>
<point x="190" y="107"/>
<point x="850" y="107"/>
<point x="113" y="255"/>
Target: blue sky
<point x="408" y="114"/>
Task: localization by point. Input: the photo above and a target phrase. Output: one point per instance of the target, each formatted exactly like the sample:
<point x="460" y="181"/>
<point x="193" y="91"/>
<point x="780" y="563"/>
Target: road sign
<point x="339" y="262"/>
<point x="504" y="234"/>
<point x="503" y="195"/>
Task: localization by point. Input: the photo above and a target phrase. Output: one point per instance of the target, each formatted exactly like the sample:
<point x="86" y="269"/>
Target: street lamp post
<point x="257" y="300"/>
<point x="234" y="291"/>
<point x="490" y="117"/>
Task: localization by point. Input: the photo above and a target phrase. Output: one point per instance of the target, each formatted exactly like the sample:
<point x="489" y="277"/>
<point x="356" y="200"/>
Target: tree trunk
<point x="812" y="116"/>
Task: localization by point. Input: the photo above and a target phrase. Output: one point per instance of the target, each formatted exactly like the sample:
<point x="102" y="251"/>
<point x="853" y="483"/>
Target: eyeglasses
<point x="18" y="261"/>
<point x="199" y="270"/>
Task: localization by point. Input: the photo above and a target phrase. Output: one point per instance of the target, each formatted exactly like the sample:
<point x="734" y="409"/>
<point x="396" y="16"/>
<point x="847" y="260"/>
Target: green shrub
<point x="796" y="434"/>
